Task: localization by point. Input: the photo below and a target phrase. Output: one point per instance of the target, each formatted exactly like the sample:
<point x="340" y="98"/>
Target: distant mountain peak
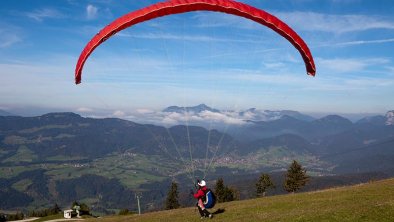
<point x="287" y="117"/>
<point x="196" y="109"/>
<point x="375" y="120"/>
<point x="390" y="117"/>
<point x="61" y="115"/>
<point x="333" y="118"/>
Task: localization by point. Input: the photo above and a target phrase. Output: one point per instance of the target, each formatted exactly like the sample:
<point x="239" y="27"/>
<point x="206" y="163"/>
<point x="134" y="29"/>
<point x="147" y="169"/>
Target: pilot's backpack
<point x="209" y="200"/>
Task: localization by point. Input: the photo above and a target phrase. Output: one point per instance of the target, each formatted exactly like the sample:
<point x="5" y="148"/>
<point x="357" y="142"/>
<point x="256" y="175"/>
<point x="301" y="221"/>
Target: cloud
<point x="211" y="20"/>
<point x="41" y="14"/>
<point x="144" y="111"/>
<point x="29" y="82"/>
<point x="368" y="82"/>
<point x="85" y="110"/>
<point x="119" y="113"/>
<point x="311" y="21"/>
<point x="220" y="117"/>
<point x="363" y="42"/>
<point x="391" y="70"/>
<point x="342" y="65"/>
<point x="182" y="37"/>
<point x="8" y="36"/>
<point x="308" y="21"/>
<point x="203" y="118"/>
<point x="277" y="79"/>
<point x="355" y="43"/>
<point x="91" y="12"/>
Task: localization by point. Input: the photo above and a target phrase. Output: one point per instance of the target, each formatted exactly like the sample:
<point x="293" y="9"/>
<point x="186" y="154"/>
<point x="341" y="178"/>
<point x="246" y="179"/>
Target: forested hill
<point x="69" y="134"/>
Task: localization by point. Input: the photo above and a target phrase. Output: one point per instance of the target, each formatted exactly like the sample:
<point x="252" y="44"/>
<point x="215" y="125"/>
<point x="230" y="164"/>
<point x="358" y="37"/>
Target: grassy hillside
<point x="366" y="202"/>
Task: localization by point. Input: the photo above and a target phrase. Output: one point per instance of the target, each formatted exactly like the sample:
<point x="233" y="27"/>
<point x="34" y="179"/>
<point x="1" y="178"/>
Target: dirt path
<point x="29" y="219"/>
<point x="55" y="220"/>
<point x="64" y="219"/>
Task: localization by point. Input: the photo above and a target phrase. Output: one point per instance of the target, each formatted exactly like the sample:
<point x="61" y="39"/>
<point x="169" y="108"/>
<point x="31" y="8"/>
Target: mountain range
<point x="61" y="157"/>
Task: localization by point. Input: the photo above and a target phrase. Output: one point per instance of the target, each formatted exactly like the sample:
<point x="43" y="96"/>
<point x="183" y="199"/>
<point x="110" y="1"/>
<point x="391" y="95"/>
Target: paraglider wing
<point x="182" y="6"/>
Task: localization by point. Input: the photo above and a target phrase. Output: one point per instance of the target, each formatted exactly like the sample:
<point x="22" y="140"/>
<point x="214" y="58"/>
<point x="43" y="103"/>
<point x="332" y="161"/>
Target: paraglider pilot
<point x="199" y="195"/>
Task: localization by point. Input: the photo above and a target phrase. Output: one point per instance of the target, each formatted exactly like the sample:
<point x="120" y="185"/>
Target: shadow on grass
<point x="219" y="211"/>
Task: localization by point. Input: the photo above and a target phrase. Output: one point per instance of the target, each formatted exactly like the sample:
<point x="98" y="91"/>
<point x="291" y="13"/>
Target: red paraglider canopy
<point x="182" y="6"/>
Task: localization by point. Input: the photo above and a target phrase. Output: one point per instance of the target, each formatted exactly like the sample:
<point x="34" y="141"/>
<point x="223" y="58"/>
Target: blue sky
<point x="221" y="60"/>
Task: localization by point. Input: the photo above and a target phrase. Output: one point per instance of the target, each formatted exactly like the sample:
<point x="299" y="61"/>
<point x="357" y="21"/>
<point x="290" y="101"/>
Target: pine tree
<point x="124" y="212"/>
<point x="224" y="193"/>
<point x="220" y="190"/>
<point x="172" y="197"/>
<point x="80" y="208"/>
<point x="296" y="177"/>
<point x="263" y="184"/>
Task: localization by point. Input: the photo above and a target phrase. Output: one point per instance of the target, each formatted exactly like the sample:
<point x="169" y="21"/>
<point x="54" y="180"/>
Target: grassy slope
<point x="367" y="202"/>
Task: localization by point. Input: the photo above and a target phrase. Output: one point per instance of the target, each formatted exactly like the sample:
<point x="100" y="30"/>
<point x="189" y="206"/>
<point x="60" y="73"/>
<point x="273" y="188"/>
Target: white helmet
<point x="202" y="183"/>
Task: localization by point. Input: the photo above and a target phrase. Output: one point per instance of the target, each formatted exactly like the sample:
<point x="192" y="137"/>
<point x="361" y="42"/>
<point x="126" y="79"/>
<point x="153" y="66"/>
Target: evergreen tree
<point x="224" y="193"/>
<point x="263" y="184"/>
<point x="45" y="212"/>
<point x="55" y="209"/>
<point x="229" y="194"/>
<point x="80" y="208"/>
<point x="296" y="177"/>
<point x="219" y="190"/>
<point x="84" y="210"/>
<point x="172" y="197"/>
<point x="125" y="212"/>
<point x="17" y="216"/>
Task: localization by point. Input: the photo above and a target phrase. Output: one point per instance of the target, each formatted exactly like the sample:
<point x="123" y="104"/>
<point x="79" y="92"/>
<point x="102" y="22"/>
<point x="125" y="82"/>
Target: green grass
<point x="275" y="156"/>
<point x="131" y="171"/>
<point x="37" y="129"/>
<point x="60" y="217"/>
<point x="22" y="185"/>
<point x="24" y="154"/>
<point x="64" y="158"/>
<point x="9" y="172"/>
<point x="367" y="202"/>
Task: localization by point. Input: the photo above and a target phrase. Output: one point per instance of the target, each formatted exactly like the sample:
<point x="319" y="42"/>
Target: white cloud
<point x="342" y="65"/>
<point x="41" y="14"/>
<point x="144" y="111"/>
<point x="202" y="118"/>
<point x="199" y="38"/>
<point x="353" y="43"/>
<point x="391" y="70"/>
<point x="8" y="36"/>
<point x="85" y="110"/>
<point x="220" y="117"/>
<point x="91" y="11"/>
<point x="363" y="42"/>
<point x="311" y="21"/>
<point x="278" y="79"/>
<point x="368" y="82"/>
<point x="206" y="20"/>
<point x="119" y="113"/>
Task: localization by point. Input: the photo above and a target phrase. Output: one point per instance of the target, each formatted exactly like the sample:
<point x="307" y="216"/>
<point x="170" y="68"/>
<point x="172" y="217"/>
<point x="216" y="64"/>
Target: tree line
<point x="295" y="179"/>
